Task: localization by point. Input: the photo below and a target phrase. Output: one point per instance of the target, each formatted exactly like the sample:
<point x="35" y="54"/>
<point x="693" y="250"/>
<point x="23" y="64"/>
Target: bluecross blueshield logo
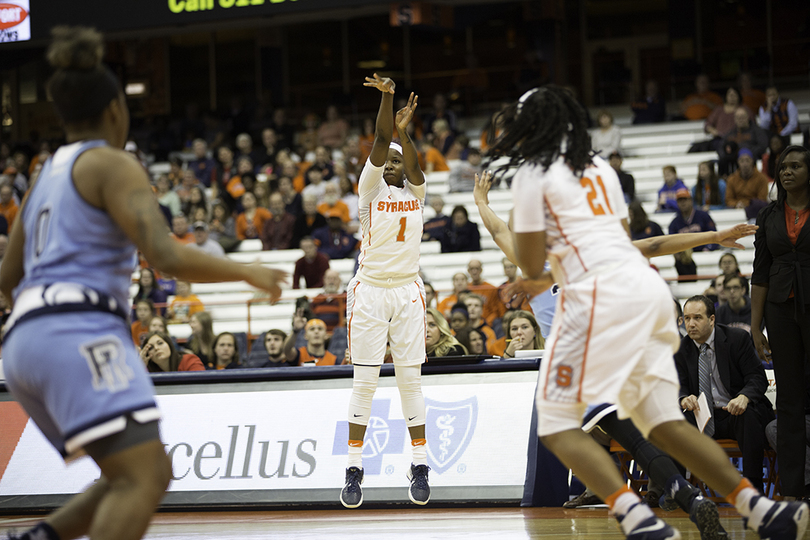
<point x="449" y="428"/>
<point x="383" y="436"/>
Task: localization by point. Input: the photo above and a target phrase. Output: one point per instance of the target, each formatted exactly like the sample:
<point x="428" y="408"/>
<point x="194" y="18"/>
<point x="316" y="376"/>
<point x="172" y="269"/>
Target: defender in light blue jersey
<point x="68" y="353"/>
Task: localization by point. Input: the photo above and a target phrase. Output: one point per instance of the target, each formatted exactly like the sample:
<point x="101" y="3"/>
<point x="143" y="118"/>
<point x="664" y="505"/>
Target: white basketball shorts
<point x="377" y="316"/>
<point x="612" y="341"/>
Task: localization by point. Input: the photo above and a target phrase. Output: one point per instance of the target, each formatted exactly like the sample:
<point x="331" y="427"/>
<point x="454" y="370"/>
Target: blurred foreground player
<point x="69" y="358"/>
<point x="658" y="466"/>
<point x="385" y="301"/>
<point x="606" y="345"/>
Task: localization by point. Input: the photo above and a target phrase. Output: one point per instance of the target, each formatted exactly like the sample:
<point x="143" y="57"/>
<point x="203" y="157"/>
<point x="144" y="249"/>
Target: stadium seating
<point x="646" y="148"/>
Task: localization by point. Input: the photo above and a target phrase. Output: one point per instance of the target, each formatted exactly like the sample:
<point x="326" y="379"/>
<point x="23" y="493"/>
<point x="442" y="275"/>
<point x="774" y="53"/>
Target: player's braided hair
<point x="545" y="123"/>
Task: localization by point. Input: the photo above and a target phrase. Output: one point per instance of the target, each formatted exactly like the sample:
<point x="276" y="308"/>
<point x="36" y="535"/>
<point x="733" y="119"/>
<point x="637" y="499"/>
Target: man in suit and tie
<point x="720" y="361"/>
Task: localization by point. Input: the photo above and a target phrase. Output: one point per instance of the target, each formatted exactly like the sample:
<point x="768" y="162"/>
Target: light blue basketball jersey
<point x="67" y="239"/>
<point x="543" y="306"/>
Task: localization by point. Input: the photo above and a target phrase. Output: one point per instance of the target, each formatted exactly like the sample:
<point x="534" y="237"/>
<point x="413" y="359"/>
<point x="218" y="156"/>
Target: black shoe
<point x="351" y="496"/>
<point x="651" y="499"/>
<point x="419" y="492"/>
<point x="583" y="499"/>
<point x="703" y="513"/>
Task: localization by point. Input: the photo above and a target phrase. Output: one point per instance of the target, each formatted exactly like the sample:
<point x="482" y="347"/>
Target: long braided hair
<point x="545" y="123"/>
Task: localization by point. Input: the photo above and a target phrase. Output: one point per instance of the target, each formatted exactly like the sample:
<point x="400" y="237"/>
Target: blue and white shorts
<point x="78" y="375"/>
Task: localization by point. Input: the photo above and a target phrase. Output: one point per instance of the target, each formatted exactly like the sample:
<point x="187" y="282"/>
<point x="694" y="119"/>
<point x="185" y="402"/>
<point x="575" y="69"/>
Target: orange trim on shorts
<point x="551" y="357"/>
<point x="564" y="237"/>
<point x="587" y="342"/>
<point x="349" y="324"/>
<point x="424" y="310"/>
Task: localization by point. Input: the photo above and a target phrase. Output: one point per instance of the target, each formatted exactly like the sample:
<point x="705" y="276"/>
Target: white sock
<point x="623" y="503"/>
<point x="743" y="500"/>
<point x="420" y="453"/>
<point x="630" y="511"/>
<point x="638" y="513"/>
<point x="756" y="514"/>
<point x="355" y="457"/>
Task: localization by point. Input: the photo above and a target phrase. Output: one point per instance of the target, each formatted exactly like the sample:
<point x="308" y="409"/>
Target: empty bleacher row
<point x="237" y="307"/>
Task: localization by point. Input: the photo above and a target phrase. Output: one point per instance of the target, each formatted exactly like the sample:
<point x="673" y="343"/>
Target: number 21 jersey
<point x="581" y="216"/>
<point x="391" y="222"/>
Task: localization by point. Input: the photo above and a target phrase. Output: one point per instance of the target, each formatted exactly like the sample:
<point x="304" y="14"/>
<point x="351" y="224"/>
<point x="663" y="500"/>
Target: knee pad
<point x="409" y="382"/>
<point x="363" y="387"/>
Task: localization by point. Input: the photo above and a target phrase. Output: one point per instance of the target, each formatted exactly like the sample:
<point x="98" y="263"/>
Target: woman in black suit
<point x="780" y="292"/>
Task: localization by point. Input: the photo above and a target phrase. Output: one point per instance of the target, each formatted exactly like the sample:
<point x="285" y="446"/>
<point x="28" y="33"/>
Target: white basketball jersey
<point x="391" y="222"/>
<point x="581" y="216"/>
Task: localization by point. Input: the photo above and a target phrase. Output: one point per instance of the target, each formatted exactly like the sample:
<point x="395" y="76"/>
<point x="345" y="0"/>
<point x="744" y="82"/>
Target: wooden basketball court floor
<point x="411" y="523"/>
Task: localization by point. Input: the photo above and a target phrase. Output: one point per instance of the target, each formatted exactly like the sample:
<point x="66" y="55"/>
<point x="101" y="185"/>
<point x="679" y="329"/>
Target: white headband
<point x="396" y="147"/>
<point x="524" y="97"/>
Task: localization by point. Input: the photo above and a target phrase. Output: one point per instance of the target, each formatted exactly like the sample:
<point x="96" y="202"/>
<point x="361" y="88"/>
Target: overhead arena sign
<point x="15" y="21"/>
<point x="112" y="16"/>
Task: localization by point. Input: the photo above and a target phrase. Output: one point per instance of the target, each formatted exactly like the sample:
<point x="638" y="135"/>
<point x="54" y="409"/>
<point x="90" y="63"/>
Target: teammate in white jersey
<point x="385" y="301"/>
<point x="606" y="345"/>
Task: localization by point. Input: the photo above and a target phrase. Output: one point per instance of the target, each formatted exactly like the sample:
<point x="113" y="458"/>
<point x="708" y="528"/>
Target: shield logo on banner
<point x="449" y="429"/>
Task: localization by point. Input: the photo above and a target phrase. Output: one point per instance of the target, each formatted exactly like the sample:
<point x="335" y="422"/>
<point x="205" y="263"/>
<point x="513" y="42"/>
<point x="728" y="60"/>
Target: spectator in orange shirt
<point x="180" y="229"/>
<point x="460" y="283"/>
<point x="332" y="205"/>
<point x="700" y="103"/>
<point x="518" y="300"/>
<point x="433" y="159"/>
<point x="184" y="304"/>
<point x="493" y="308"/>
<point x="8" y="207"/>
<point x="144" y="311"/>
<point x="250" y="223"/>
<point x="330" y="305"/>
<point x="235" y="186"/>
<point x="475" y="308"/>
<point x="314" y="353"/>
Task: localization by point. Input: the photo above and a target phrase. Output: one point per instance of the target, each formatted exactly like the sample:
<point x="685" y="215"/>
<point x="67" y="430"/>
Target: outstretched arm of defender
<point x="384" y="131"/>
<point x="675" y="243"/>
<point x="409" y="153"/>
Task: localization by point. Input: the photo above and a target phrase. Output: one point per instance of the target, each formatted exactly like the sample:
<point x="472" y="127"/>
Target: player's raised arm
<point x="384" y="131"/>
<point x="675" y="243"/>
<point x="409" y="153"/>
<point x="497" y="227"/>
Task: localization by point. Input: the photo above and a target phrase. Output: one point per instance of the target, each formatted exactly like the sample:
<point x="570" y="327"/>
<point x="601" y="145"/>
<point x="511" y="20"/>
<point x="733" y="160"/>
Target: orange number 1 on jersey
<point x="596" y="199"/>
<point x="401" y="235"/>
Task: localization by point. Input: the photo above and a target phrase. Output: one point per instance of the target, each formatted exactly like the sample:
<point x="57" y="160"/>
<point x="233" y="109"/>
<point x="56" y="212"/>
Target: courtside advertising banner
<point x="15" y="20"/>
<point x="277" y="442"/>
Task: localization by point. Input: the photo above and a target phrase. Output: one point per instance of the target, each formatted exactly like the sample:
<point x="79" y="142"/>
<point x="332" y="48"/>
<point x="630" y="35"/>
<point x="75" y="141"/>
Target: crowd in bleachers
<point x="256" y="187"/>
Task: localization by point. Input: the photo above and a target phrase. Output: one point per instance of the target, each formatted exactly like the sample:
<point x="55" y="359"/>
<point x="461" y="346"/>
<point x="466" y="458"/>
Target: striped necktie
<point x="705" y="384"/>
